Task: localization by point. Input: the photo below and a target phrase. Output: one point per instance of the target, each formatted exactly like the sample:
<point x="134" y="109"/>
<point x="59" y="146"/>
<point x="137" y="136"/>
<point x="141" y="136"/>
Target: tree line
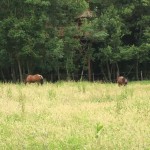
<point x="75" y="37"/>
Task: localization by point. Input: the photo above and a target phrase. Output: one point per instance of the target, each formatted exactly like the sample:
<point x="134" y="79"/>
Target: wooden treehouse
<point x="83" y="36"/>
<point x="85" y="40"/>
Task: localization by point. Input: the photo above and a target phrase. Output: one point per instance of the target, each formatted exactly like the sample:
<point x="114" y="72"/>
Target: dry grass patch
<point x="75" y="115"/>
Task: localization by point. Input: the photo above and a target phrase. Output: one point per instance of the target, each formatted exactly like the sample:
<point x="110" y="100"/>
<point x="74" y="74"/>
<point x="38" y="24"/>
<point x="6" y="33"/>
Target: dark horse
<point x="34" y="78"/>
<point x="121" y="80"/>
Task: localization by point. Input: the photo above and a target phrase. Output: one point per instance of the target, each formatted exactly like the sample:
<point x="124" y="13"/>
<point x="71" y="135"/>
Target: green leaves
<point x="63" y="34"/>
<point x="38" y="2"/>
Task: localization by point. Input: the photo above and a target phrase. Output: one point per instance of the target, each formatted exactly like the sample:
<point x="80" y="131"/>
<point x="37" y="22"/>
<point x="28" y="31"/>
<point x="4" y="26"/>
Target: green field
<point x="75" y="116"/>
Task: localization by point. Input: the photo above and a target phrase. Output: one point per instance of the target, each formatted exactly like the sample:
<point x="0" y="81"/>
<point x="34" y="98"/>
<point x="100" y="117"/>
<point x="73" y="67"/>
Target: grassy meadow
<point x="75" y="116"/>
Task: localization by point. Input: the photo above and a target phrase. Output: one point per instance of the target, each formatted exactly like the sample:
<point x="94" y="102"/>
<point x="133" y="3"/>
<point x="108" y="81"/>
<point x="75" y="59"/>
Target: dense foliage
<point x="53" y="38"/>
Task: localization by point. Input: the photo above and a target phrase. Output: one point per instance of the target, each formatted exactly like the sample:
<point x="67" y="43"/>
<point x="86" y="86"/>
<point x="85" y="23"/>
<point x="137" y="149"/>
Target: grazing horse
<point x="121" y="80"/>
<point x="34" y="78"/>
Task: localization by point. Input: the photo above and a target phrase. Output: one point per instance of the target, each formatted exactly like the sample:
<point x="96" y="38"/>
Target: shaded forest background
<point x="75" y="39"/>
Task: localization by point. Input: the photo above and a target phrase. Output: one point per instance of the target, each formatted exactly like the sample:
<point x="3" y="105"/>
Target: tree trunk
<point x="141" y="75"/>
<point x="104" y="75"/>
<point x="58" y="73"/>
<point x="3" y="77"/>
<point x="118" y="71"/>
<point x="20" y="70"/>
<point x="81" y="78"/>
<point x="13" y="75"/>
<point x="89" y="68"/>
<point x="67" y="71"/>
<point x="68" y="75"/>
<point x="73" y="77"/>
<point x="113" y="72"/>
<point x="108" y="71"/>
<point x="28" y="68"/>
<point x="51" y="77"/>
<point x="93" y="77"/>
<point x="137" y="70"/>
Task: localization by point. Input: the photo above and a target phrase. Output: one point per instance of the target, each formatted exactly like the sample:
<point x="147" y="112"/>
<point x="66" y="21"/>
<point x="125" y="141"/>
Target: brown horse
<point x="121" y="80"/>
<point x="34" y="78"/>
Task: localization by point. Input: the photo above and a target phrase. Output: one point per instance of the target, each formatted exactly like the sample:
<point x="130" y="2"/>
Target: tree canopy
<point x="73" y="39"/>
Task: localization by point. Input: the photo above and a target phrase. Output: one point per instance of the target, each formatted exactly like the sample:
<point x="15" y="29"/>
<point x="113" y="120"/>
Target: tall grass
<point x="75" y="115"/>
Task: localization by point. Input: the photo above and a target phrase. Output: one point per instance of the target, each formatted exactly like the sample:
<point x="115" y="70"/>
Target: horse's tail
<point x="25" y="82"/>
<point x="42" y="79"/>
<point x="25" y="78"/>
<point x="126" y="81"/>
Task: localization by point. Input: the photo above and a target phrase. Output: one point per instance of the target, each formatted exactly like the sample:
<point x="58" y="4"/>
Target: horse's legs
<point x="41" y="81"/>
